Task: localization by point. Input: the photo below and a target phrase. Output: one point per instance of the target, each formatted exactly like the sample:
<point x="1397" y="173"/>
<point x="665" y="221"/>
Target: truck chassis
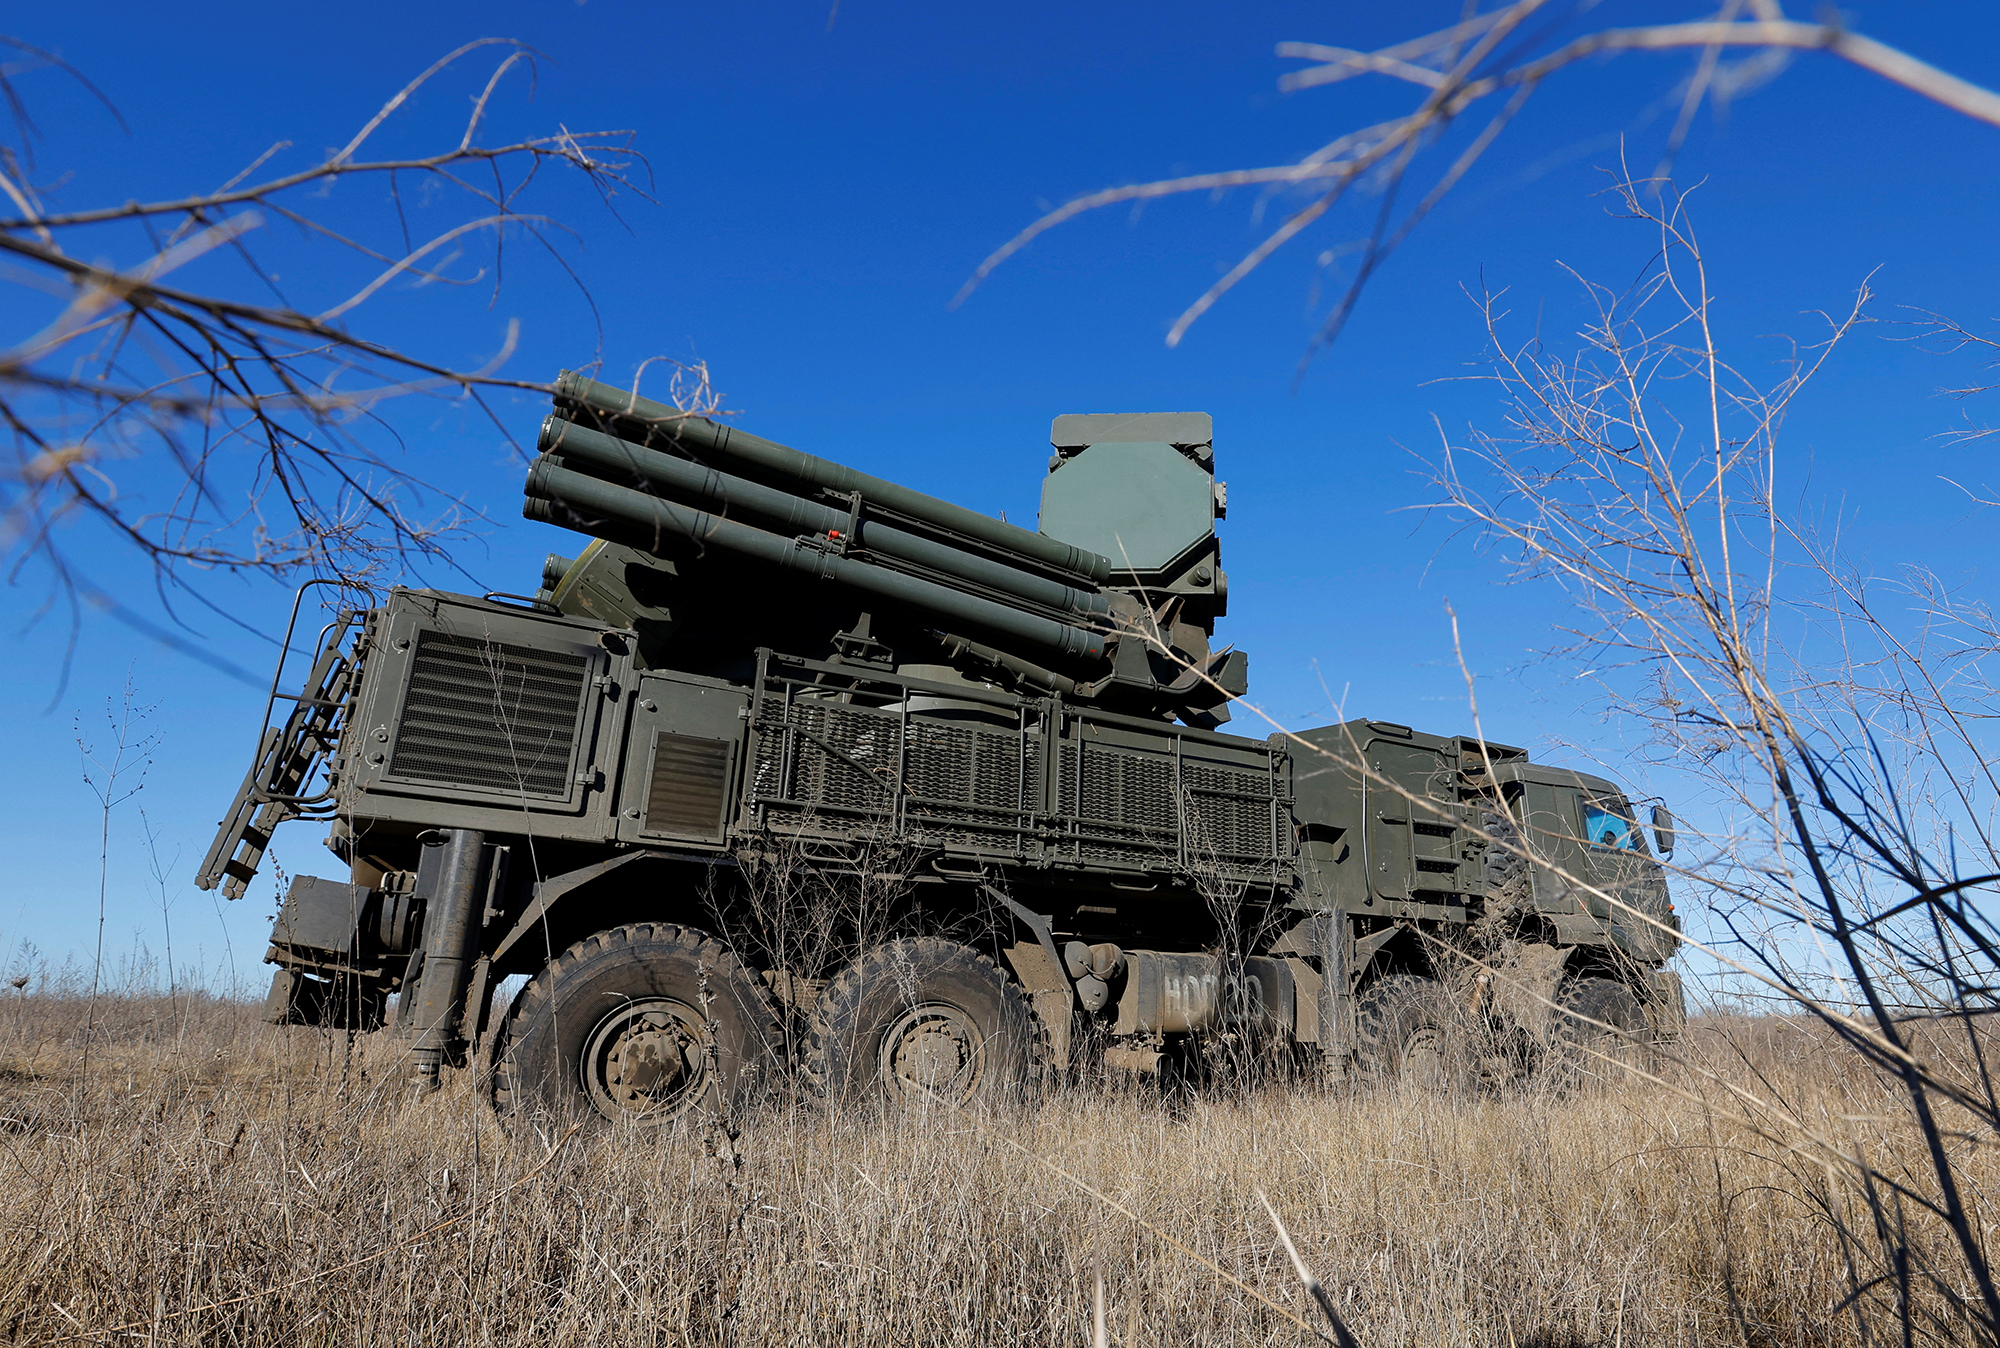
<point x="902" y="884"/>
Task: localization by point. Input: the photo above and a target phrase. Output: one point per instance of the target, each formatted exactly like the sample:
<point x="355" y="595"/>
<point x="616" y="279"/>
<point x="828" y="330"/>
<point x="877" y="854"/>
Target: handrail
<point x="521" y="601"/>
<point x="284" y="652"/>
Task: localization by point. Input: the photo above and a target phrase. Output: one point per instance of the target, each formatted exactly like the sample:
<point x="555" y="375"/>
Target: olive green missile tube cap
<point x="698" y="433"/>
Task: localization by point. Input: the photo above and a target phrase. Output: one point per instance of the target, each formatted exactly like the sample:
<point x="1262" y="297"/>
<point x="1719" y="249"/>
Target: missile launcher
<point x="712" y="543"/>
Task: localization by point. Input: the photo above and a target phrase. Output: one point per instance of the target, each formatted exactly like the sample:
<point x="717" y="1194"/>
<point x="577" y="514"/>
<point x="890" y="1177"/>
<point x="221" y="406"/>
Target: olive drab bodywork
<point x="765" y="659"/>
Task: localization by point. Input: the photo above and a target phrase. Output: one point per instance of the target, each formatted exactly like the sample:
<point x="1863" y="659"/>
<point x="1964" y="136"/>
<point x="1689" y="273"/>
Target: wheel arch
<point x="1395" y="949"/>
<point x="635" y="886"/>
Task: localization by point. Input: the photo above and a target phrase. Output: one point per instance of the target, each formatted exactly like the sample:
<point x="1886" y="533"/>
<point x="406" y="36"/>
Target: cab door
<point x="1554" y="833"/>
<point x="1625" y="869"/>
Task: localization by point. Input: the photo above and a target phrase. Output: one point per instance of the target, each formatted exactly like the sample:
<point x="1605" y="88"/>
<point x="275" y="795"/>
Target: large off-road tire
<point x="1510" y="882"/>
<point x="1408" y="1033"/>
<point x="1603" y="1034"/>
<point x="645" y="1024"/>
<point x="923" y="1018"/>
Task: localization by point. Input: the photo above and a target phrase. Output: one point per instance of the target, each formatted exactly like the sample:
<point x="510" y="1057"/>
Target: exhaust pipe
<point x="451" y="929"/>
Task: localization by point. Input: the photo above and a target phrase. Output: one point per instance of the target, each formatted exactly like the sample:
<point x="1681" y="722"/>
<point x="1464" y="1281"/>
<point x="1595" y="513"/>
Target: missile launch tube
<point x="636" y="510"/>
<point x="704" y="486"/>
<point x="697" y="433"/>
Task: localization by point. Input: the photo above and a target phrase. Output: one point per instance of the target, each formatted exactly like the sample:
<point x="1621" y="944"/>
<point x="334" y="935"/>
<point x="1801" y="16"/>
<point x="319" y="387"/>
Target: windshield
<point x="1609" y="824"/>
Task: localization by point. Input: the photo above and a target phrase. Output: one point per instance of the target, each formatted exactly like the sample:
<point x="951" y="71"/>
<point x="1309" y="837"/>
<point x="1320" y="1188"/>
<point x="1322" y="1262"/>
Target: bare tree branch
<point x="1457" y="68"/>
<point x="213" y="432"/>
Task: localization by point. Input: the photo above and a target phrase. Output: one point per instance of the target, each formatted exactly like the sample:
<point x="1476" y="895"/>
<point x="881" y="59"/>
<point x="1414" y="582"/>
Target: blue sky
<point x="822" y="193"/>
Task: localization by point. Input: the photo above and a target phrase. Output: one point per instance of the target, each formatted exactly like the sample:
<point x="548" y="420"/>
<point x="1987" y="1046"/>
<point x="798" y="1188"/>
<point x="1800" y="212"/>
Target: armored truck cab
<point x="912" y="798"/>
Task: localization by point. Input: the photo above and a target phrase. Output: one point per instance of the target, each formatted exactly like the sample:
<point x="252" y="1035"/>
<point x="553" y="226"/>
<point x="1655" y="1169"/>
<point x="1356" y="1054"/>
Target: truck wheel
<point x="646" y="1023"/>
<point x="1510" y="881"/>
<point x="924" y="1017"/>
<point x="1407" y="1033"/>
<point x="1604" y="1031"/>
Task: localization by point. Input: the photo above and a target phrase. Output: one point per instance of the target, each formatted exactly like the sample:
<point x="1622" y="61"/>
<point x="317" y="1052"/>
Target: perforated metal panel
<point x="488" y="715"/>
<point x="1230" y="814"/>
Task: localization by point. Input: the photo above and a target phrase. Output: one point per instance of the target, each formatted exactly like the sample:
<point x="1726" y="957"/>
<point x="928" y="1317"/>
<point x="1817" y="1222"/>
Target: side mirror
<point x="1663" y="829"/>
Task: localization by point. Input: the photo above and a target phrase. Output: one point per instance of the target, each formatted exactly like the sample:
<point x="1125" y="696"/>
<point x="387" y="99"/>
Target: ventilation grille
<point x="1232" y="816"/>
<point x="486" y="715"/>
<point x="819" y="762"/>
<point x="690" y="779"/>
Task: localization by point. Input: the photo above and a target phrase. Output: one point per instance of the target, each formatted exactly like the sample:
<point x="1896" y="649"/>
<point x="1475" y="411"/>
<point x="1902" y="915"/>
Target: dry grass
<point x="219" y="1181"/>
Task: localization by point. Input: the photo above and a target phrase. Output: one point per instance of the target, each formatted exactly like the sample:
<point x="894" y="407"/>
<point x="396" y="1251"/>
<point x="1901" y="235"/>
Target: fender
<point x="1040" y="969"/>
<point x="551" y="892"/>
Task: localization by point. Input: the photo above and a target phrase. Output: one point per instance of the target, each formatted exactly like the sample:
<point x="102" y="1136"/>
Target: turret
<point x="1112" y="601"/>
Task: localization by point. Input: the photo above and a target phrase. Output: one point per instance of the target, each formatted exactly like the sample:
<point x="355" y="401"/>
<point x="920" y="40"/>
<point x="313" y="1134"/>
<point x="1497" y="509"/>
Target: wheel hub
<point x="935" y="1048"/>
<point x="1426" y="1064"/>
<point x="648" y="1059"/>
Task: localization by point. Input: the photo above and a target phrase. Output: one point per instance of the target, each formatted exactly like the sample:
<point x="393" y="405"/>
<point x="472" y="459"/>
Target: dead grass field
<point x="218" y="1181"/>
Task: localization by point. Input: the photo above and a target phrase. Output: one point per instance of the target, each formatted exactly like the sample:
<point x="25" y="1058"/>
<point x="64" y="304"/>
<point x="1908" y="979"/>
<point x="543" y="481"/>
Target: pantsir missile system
<point x="794" y="766"/>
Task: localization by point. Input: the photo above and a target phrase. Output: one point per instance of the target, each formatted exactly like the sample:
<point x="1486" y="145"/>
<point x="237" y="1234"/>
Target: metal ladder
<point x="289" y="756"/>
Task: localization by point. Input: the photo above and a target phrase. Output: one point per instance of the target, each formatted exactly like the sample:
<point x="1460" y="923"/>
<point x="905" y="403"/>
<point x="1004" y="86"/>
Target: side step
<point x="244" y="833"/>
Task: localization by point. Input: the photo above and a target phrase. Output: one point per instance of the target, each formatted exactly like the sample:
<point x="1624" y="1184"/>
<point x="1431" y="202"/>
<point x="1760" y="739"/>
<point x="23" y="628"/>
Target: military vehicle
<point x="793" y="766"/>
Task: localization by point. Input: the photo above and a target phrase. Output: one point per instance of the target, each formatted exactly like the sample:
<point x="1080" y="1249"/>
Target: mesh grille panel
<point x="1230" y="812"/>
<point x="489" y="715"/>
<point x="844" y="758"/>
<point x="1127" y="810"/>
<point x="961" y="777"/>
<point x="830" y="768"/>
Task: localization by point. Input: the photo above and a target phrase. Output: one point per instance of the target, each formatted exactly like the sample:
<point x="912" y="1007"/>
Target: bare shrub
<point x="1500" y="56"/>
<point x="1832" y="719"/>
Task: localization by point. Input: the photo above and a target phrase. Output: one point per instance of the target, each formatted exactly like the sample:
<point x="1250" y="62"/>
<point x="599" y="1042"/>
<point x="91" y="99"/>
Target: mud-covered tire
<point x="923" y="1017"/>
<point x="1603" y="1032"/>
<point x="1509" y="876"/>
<point x="1409" y="1034"/>
<point x="646" y="1024"/>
